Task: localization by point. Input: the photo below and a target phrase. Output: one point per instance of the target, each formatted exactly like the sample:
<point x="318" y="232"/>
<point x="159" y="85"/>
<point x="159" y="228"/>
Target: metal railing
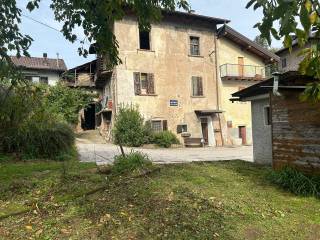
<point x="242" y="71"/>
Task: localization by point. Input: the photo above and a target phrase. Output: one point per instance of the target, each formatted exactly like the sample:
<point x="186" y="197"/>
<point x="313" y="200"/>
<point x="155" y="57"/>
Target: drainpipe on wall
<point x="276" y="84"/>
<point x="216" y="75"/>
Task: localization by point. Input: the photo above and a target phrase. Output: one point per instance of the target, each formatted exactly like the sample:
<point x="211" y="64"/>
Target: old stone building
<point x="181" y="75"/>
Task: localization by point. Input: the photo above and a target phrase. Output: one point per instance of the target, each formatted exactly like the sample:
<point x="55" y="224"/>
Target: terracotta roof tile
<point x="40" y="63"/>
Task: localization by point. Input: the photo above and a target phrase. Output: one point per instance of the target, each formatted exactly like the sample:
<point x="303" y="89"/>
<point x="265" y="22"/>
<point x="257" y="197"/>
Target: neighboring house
<point x="174" y="74"/>
<point x="242" y="63"/>
<point x="289" y="61"/>
<point x="40" y="70"/>
<point x="286" y="131"/>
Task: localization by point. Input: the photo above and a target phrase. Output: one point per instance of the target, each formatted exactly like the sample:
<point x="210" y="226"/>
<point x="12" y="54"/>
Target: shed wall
<point x="262" y="145"/>
<point x="296" y="132"/>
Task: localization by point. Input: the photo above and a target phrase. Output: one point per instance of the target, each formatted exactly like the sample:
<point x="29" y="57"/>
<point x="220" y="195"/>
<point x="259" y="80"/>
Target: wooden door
<point x="241" y="66"/>
<point x="204" y="128"/>
<point x="243" y="134"/>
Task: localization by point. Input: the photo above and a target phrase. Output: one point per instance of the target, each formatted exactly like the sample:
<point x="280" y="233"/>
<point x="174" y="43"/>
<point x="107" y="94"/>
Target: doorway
<point x="243" y="134"/>
<point x="205" y="132"/>
<point x="89" y="121"/>
<point x="241" y="66"/>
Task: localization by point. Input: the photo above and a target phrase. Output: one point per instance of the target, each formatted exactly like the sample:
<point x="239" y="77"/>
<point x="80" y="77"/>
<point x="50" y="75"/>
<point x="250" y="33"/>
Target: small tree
<point x="129" y="129"/>
<point x="67" y="102"/>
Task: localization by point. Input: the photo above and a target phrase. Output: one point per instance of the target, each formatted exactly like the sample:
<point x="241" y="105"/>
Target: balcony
<point x="76" y="79"/>
<point x="242" y="72"/>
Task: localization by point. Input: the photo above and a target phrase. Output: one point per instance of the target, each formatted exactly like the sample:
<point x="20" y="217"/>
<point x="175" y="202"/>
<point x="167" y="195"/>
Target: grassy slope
<point x="227" y="200"/>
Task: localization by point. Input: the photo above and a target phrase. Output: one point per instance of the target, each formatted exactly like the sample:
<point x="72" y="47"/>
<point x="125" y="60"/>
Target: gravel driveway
<point x="103" y="153"/>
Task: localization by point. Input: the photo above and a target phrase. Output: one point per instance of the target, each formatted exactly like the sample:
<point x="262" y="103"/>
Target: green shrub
<point x="165" y="139"/>
<point x="39" y="139"/>
<point x="130" y="162"/>
<point x="296" y="182"/>
<point x="129" y="129"/>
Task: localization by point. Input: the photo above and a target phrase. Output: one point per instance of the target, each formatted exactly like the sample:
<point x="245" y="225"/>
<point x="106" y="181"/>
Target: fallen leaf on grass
<point x="28" y="227"/>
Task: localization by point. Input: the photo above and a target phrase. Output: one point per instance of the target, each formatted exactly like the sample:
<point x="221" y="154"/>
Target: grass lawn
<point x="224" y="200"/>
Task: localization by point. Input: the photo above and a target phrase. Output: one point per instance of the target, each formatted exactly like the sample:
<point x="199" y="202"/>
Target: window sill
<point x="196" y="56"/>
<point x="147" y="95"/>
<point x="197" y="96"/>
<point x="145" y="50"/>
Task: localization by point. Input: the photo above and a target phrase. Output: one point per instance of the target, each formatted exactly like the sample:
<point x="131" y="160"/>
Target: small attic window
<point x="144" y="38"/>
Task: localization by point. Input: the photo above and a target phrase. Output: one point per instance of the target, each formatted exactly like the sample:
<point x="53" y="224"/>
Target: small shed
<point x="286" y="131"/>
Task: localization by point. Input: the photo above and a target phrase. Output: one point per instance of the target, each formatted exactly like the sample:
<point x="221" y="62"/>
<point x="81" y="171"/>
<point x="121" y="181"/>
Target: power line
<point x="44" y="24"/>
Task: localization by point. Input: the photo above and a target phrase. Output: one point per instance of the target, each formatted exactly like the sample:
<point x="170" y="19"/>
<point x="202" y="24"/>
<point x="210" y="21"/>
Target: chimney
<point x="45" y="60"/>
<point x="57" y="59"/>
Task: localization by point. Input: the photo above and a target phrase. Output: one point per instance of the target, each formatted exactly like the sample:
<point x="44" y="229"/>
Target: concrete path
<point x="91" y="150"/>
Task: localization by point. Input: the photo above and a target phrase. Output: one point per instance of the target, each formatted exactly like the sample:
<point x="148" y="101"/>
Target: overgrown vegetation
<point x="67" y="101"/>
<point x="222" y="200"/>
<point x="129" y="129"/>
<point x="131" y="162"/>
<point x="296" y="182"/>
<point x="35" y="119"/>
<point x="165" y="139"/>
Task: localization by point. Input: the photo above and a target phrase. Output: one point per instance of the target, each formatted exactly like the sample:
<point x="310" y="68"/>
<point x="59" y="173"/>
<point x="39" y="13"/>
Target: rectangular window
<point x="197" y="87"/>
<point x="144" y="38"/>
<point x="159" y="125"/>
<point x="182" y="128"/>
<point x="267" y="116"/>
<point x="284" y="62"/>
<point x="143" y="83"/>
<point x="194" y="46"/>
<point x="44" y="80"/>
<point x="28" y="78"/>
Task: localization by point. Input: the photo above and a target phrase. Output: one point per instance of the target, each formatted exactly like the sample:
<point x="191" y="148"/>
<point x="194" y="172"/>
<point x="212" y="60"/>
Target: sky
<point x="47" y="40"/>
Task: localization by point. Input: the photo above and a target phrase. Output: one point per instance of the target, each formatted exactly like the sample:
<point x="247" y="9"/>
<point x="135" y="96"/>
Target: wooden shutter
<point x="200" y="87"/>
<point x="150" y="84"/>
<point x="194" y="86"/>
<point x="137" y="86"/>
<point x="165" y="125"/>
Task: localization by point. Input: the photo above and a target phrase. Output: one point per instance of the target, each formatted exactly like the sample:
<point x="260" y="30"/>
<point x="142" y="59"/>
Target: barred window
<point x="194" y="46"/>
<point x="156" y="126"/>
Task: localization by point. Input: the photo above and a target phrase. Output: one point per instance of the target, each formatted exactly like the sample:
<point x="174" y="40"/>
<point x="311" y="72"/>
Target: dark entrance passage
<point x="89" y="121"/>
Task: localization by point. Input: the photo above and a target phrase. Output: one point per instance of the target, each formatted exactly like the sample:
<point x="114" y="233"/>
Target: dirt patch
<point x="252" y="233"/>
<point x="314" y="232"/>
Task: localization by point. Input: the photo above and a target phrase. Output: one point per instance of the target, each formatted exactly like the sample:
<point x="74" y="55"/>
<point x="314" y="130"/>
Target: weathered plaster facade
<point x="238" y="113"/>
<point x="173" y="67"/>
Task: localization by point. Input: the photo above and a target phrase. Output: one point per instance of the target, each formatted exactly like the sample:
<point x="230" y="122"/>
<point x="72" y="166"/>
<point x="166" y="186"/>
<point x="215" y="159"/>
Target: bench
<point x="192" y="142"/>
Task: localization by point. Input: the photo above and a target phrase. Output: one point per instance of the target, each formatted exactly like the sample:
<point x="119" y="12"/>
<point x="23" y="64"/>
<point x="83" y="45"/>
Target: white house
<point x="44" y="70"/>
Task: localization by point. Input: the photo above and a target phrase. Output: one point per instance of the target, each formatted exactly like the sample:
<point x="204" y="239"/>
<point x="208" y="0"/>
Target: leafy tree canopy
<point x="296" y="19"/>
<point x="261" y="41"/>
<point x="96" y="17"/>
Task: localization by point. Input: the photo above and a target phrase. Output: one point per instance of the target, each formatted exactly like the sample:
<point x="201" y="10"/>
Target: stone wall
<point x="296" y="132"/>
